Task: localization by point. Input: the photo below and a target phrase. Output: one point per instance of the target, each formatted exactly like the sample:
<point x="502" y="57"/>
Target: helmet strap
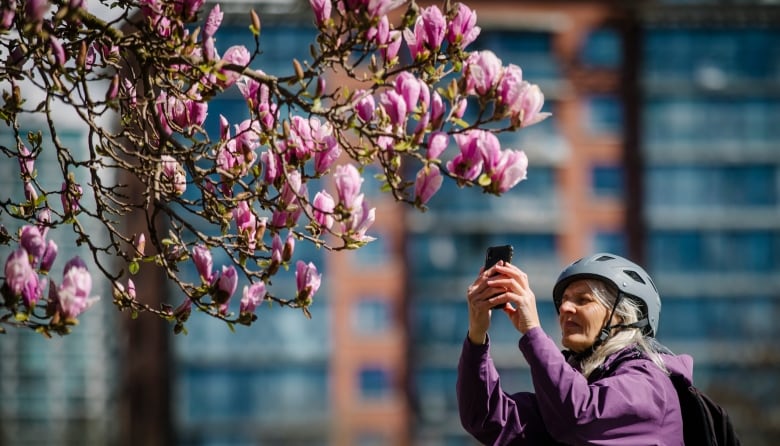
<point x="606" y="331"/>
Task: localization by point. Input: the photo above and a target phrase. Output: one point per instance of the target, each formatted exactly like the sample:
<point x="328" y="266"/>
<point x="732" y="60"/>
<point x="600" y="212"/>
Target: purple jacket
<point x="627" y="401"/>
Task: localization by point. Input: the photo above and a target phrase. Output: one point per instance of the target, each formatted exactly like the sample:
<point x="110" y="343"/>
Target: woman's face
<point x="581" y="316"/>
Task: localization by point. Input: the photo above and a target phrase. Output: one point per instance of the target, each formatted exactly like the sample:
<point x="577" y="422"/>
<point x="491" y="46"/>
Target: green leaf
<point x="134" y="267"/>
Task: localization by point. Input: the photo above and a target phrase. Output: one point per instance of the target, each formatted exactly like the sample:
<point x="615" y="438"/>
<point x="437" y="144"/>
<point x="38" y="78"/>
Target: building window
<point x="372" y="316"/>
<point x="614" y="242"/>
<point x="605" y="115"/>
<point x="375" y="383"/>
<point x="607" y="181"/>
<point x="601" y="49"/>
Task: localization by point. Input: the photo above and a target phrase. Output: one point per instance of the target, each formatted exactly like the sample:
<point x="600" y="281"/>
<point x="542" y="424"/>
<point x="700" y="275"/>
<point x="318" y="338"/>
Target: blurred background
<point x="663" y="147"/>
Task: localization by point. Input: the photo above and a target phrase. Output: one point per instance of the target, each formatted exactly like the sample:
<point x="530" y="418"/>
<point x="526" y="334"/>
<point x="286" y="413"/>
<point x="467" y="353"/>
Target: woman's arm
<point x="489" y="414"/>
<point x="630" y="405"/>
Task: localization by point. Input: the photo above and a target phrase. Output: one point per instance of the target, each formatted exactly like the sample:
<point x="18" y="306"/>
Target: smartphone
<point x="496" y="253"/>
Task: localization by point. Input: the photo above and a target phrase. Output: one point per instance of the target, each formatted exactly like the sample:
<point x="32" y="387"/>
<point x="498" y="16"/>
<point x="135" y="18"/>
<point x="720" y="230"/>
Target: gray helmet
<point x="628" y="277"/>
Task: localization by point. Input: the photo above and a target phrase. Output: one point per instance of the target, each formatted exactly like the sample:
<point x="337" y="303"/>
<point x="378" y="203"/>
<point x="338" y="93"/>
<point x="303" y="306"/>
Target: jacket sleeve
<point x="488" y="413"/>
<point x="626" y="407"/>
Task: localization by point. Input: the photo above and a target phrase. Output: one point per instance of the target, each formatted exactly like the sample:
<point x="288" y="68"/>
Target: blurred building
<point x="662" y="148"/>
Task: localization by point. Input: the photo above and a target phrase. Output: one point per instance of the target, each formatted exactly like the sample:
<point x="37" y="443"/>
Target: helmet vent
<point x="634" y="275"/>
<point x="605" y="258"/>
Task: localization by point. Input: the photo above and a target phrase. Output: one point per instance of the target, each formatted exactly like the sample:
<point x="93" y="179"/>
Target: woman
<point x="610" y="386"/>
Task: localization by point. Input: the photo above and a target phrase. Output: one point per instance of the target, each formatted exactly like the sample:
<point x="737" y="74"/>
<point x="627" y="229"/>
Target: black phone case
<point x="496" y="253"/>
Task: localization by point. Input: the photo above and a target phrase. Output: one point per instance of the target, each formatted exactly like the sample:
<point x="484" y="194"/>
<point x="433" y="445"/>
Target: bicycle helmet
<point x="629" y="278"/>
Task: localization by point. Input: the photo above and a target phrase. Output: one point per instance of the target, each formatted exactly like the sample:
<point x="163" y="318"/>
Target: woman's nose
<point x="566" y="307"/>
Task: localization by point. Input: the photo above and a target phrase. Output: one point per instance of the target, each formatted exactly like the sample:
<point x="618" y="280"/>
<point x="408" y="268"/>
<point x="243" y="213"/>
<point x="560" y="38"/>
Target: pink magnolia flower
<point x="226" y="285"/>
<point x="462" y="29"/>
<point x="483" y="71"/>
<point x="248" y="140"/>
<point x="510" y="85"/>
<point x="139" y="243"/>
<point x="427" y="183"/>
<point x="348" y="183"/>
<point x="26" y="162"/>
<point x="33" y="290"/>
<point x="437" y="144"/>
<point x="72" y="295"/>
<point x="184" y="112"/>
<point x="434" y="26"/>
<point x="326" y="147"/>
<point x="252" y="297"/>
<point x="388" y="40"/>
<point x="490" y="147"/>
<point x="322" y="10"/>
<point x="365" y="105"/>
<point x="527" y="108"/>
<point x="18" y="271"/>
<point x="173" y="176"/>
<point x="203" y="263"/>
<point x="300" y="143"/>
<point x="33" y="242"/>
<point x="70" y="194"/>
<point x="394" y="106"/>
<point x="408" y="86"/>
<point x="415" y="39"/>
<point x="468" y="163"/>
<point x="47" y="260"/>
<point x="510" y="170"/>
<point x="437" y="109"/>
<point x="361" y="217"/>
<point x="307" y="281"/>
<point x="7" y="13"/>
<point x="390" y="49"/>
<point x="187" y="8"/>
<point x="58" y="51"/>
<point x="235" y="55"/>
<point x="289" y="246"/>
<point x="460" y="108"/>
<point x="246" y="223"/>
<point x="30" y="194"/>
<point x="43" y="219"/>
<point x="213" y="21"/>
<point x="35" y="10"/>
<point x="323" y="204"/>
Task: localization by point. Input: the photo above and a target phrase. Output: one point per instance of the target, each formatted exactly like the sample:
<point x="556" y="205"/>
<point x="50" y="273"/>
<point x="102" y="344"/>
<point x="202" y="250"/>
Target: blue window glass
<point x="372" y="316"/>
<point x="375" y="383"/>
<point x="725" y="251"/>
<point x="607" y="181"/>
<point x="707" y="125"/>
<point x="697" y="318"/>
<point x="602" y="49"/>
<point x="437" y="401"/>
<point x="706" y="186"/>
<point x="605" y="115"/>
<point x="614" y="242"/>
<point x="695" y="54"/>
<point x="376" y="252"/>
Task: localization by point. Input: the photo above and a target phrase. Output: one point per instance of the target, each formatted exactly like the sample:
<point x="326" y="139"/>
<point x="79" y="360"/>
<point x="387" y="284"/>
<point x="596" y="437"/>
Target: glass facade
<point x="63" y="390"/>
<point x="712" y="179"/>
<point x="268" y="383"/>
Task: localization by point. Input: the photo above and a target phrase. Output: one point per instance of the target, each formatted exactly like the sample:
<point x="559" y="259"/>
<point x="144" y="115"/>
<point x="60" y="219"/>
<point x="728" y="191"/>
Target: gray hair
<point x="628" y="311"/>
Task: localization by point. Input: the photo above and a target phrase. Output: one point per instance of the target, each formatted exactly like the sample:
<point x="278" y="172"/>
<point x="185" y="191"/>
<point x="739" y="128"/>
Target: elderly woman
<point x="610" y="386"/>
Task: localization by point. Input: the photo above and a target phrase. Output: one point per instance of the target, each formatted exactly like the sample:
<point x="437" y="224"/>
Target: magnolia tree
<point x="141" y="82"/>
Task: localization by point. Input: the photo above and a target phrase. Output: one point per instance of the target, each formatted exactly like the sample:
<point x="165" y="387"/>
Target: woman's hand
<point x="479" y="295"/>
<point x="517" y="293"/>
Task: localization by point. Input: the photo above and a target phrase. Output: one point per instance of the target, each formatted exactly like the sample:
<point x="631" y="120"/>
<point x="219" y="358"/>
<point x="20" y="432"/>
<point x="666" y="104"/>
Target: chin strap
<point x="606" y="331"/>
